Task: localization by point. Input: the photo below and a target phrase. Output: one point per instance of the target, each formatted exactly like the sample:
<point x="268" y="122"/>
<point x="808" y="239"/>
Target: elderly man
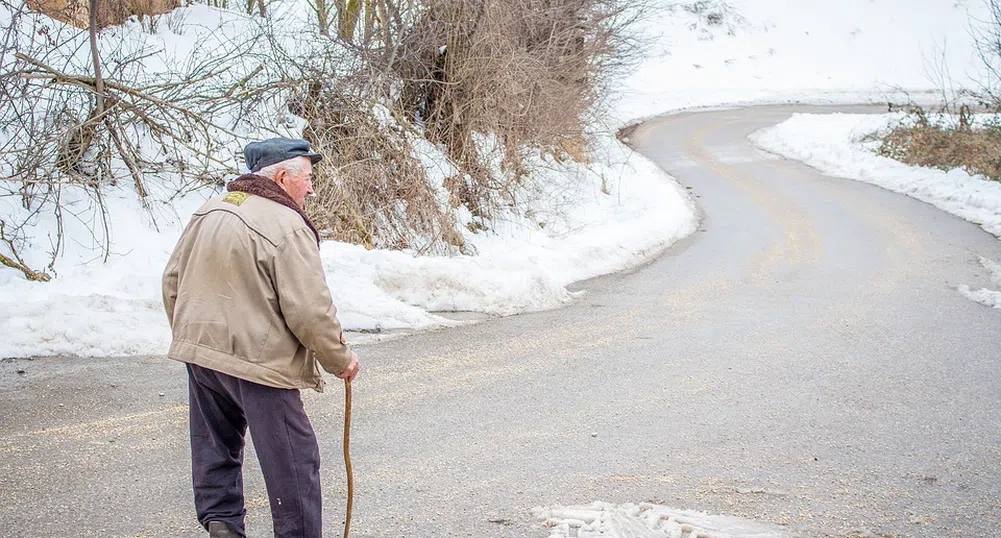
<point x="252" y="317"/>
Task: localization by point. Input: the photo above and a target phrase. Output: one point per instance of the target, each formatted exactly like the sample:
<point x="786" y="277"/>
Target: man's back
<point x="248" y="290"/>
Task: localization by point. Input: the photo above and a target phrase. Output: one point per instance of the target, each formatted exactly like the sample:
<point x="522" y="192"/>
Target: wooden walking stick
<point x="347" y="454"/>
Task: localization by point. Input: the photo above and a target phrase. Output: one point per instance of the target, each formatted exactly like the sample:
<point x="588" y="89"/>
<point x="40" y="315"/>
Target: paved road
<point x="802" y="359"/>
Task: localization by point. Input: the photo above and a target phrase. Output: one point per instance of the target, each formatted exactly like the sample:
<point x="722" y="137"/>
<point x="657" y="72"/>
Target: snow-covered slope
<point x="713" y="52"/>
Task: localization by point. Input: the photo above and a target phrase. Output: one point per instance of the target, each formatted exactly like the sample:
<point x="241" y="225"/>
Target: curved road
<point x="803" y="359"/>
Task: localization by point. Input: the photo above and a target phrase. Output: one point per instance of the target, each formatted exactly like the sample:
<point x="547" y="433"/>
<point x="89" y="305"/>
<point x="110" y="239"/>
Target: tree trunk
<point x="98" y="80"/>
<point x="322" y="16"/>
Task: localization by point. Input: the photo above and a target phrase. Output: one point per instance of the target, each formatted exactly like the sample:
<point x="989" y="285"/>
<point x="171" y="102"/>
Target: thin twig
<point x="17" y="263"/>
<point x="89" y="82"/>
<point x="98" y="81"/>
<point x="133" y="169"/>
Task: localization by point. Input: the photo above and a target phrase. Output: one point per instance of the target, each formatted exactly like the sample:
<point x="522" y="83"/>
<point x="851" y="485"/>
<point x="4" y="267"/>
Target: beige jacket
<point x="246" y="295"/>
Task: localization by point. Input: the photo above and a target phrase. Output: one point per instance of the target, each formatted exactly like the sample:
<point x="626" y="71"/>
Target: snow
<point x="94" y="308"/>
<point x="604" y="520"/>
<point x="836" y="144"/>
<point x="776" y="51"/>
<point x="608" y="216"/>
<point x="984" y="296"/>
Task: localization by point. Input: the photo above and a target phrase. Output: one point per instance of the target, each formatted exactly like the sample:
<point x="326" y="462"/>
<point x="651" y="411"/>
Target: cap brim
<point x="313" y="157"/>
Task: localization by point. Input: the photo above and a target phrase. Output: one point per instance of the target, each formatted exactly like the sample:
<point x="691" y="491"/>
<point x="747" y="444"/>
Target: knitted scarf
<point x="266" y="188"/>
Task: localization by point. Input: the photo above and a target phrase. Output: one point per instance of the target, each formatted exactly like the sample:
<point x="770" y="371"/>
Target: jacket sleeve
<point x="305" y="300"/>
<point x="170" y="276"/>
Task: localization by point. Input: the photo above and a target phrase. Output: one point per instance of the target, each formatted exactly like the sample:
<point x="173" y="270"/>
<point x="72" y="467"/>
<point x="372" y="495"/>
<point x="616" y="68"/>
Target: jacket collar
<point x="266" y="188"/>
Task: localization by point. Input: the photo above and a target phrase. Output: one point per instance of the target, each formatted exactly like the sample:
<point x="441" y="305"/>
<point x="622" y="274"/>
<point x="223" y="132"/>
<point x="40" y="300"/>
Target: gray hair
<point x="293" y="166"/>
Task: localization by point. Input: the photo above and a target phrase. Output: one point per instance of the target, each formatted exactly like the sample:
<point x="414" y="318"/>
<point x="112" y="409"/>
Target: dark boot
<point x="218" y="529"/>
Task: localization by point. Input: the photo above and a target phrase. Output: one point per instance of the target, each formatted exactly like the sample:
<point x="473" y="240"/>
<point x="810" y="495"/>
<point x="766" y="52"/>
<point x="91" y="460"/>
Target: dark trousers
<point x="222" y="407"/>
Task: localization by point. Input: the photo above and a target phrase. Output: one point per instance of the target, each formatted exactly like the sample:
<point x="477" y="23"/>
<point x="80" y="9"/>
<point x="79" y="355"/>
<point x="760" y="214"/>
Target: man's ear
<point x="280" y="177"/>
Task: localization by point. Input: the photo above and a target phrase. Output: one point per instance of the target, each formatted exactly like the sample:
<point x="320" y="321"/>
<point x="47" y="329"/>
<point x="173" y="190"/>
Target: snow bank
<point x="603" y="520"/>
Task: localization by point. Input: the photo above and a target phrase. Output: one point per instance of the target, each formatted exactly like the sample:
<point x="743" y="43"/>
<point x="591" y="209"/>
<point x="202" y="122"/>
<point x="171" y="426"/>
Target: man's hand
<point x="349" y="373"/>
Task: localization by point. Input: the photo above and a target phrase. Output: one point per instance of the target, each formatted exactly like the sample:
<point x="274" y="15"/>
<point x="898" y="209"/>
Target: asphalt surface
<point x="803" y="359"/>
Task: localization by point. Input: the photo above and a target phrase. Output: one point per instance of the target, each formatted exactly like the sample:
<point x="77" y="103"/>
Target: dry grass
<point x="935" y="144"/>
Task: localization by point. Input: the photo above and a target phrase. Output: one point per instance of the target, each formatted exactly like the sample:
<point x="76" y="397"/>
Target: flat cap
<point x="275" y="150"/>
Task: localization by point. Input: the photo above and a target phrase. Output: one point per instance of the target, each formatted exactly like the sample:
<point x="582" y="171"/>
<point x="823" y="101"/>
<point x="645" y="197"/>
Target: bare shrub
<point x="78" y="122"/>
<point x="988" y="38"/>
<point x="176" y="21"/>
<point x="935" y="143"/>
<point x="372" y="189"/>
<point x="487" y="81"/>
<point x="948" y="136"/>
<point x="528" y="73"/>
